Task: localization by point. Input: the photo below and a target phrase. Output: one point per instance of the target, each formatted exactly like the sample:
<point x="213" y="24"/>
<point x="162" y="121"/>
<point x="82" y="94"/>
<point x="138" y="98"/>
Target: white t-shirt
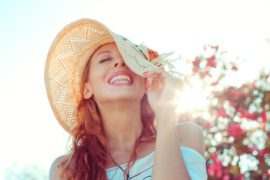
<point x="142" y="169"/>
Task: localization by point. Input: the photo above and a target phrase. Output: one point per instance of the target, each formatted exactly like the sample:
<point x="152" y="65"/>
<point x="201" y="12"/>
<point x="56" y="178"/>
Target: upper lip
<point x="120" y="73"/>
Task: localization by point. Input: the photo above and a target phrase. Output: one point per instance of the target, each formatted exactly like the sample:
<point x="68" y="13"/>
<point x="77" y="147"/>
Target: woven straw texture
<point x="67" y="58"/>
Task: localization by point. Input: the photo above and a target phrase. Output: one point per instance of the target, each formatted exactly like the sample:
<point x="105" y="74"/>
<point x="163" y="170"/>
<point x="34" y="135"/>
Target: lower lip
<point x="121" y="84"/>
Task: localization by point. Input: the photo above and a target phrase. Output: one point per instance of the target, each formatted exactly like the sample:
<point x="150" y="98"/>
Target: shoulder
<point x="55" y="170"/>
<point x="191" y="135"/>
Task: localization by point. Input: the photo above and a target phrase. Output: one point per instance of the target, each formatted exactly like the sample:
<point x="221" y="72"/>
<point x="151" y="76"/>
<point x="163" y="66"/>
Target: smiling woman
<point x="107" y="73"/>
<point x="118" y="103"/>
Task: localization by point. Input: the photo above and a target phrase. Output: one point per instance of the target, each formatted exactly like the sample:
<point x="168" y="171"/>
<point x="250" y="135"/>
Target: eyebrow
<point x="103" y="52"/>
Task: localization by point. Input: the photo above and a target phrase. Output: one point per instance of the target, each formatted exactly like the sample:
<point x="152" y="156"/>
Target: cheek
<point x="96" y="81"/>
<point x="141" y="82"/>
<point x="97" y="73"/>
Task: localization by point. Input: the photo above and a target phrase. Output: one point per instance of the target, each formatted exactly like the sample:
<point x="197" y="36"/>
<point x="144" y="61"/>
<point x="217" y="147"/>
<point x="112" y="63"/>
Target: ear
<point x="87" y="93"/>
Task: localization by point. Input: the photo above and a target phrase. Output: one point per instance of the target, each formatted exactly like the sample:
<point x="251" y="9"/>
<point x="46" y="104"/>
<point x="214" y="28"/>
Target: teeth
<point x="121" y="79"/>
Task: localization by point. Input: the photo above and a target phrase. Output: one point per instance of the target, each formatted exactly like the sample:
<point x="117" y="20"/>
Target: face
<point x="110" y="79"/>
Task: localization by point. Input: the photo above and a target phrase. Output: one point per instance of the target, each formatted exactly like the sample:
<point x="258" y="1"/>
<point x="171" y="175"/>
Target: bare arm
<point x="169" y="163"/>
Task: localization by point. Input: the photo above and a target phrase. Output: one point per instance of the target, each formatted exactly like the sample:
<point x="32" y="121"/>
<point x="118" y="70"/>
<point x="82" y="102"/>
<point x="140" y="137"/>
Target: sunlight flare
<point x="193" y="98"/>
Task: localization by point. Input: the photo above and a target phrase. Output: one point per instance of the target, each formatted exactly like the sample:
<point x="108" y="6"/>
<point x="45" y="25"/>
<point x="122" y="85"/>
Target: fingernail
<point x="145" y="73"/>
<point x="147" y="84"/>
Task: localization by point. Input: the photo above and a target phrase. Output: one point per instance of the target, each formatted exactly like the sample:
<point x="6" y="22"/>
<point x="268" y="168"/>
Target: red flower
<point x="214" y="83"/>
<point x="234" y="68"/>
<point x="208" y="126"/>
<point x="226" y="177"/>
<point x="206" y="73"/>
<point x="211" y="61"/>
<point x="214" y="47"/>
<point x="262" y="126"/>
<point x="246" y="114"/>
<point x="216" y="167"/>
<point x="263" y="116"/>
<point x="222" y="113"/>
<point x="235" y="93"/>
<point x="196" y="62"/>
<point x="234" y="129"/>
<point x="253" y="85"/>
<point x="253" y="148"/>
<point x="231" y="102"/>
<point x="262" y="152"/>
<point x="240" y="177"/>
<point x="195" y="69"/>
<point x="214" y="156"/>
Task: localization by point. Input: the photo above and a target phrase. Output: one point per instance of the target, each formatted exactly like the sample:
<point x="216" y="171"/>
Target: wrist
<point x="166" y="119"/>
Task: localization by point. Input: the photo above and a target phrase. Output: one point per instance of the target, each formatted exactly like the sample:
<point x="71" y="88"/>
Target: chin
<point x="123" y="97"/>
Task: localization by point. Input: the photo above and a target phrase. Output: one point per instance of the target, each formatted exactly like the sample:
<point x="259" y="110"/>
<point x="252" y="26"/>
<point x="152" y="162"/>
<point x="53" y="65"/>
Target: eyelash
<point x="104" y="60"/>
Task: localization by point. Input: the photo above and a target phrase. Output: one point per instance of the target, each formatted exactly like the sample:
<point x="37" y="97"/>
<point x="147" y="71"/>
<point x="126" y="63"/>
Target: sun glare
<point x="193" y="98"/>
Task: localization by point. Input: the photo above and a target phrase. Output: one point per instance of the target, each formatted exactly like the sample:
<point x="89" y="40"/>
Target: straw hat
<point x="68" y="56"/>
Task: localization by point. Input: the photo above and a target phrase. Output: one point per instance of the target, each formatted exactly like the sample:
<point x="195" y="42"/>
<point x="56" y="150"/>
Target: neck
<point x="122" y="124"/>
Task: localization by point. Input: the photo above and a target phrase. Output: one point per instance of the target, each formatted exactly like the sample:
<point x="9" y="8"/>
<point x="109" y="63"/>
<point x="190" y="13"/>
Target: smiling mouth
<point x="121" y="82"/>
<point x="120" y="79"/>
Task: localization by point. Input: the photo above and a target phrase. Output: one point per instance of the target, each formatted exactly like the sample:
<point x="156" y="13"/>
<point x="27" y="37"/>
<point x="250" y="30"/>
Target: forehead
<point x="111" y="47"/>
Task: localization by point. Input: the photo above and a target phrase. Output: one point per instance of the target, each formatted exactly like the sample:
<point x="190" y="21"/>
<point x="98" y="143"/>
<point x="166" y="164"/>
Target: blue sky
<point x="30" y="133"/>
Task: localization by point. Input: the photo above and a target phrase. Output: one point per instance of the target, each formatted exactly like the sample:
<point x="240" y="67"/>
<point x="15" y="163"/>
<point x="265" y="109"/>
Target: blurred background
<point x="224" y="51"/>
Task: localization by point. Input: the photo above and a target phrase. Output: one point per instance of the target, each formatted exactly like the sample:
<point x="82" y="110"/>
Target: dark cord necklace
<point x="119" y="166"/>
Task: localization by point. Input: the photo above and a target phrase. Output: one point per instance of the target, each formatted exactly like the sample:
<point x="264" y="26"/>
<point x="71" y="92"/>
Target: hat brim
<point x="67" y="57"/>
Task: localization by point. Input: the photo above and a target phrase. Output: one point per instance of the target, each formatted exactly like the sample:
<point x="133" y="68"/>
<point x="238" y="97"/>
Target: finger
<point x="151" y="73"/>
<point x="159" y="76"/>
<point x="153" y="85"/>
<point x="158" y="72"/>
<point x="156" y="81"/>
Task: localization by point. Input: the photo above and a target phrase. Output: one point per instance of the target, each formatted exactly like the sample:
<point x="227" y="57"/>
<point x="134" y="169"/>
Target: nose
<point x="119" y="63"/>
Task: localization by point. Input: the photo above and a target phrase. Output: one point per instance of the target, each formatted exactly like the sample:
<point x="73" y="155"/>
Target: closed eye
<point x="103" y="60"/>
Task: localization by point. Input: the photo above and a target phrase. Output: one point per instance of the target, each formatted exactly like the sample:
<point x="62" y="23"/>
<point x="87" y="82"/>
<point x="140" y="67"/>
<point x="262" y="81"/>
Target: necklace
<point x="119" y="166"/>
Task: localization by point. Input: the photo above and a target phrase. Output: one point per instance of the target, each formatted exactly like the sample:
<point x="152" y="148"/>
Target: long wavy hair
<point x="89" y="152"/>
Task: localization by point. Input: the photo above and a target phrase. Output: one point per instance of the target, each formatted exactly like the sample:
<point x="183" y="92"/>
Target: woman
<point x="118" y="103"/>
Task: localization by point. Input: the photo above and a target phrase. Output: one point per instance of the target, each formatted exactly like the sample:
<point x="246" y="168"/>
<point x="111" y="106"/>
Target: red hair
<point x="89" y="151"/>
